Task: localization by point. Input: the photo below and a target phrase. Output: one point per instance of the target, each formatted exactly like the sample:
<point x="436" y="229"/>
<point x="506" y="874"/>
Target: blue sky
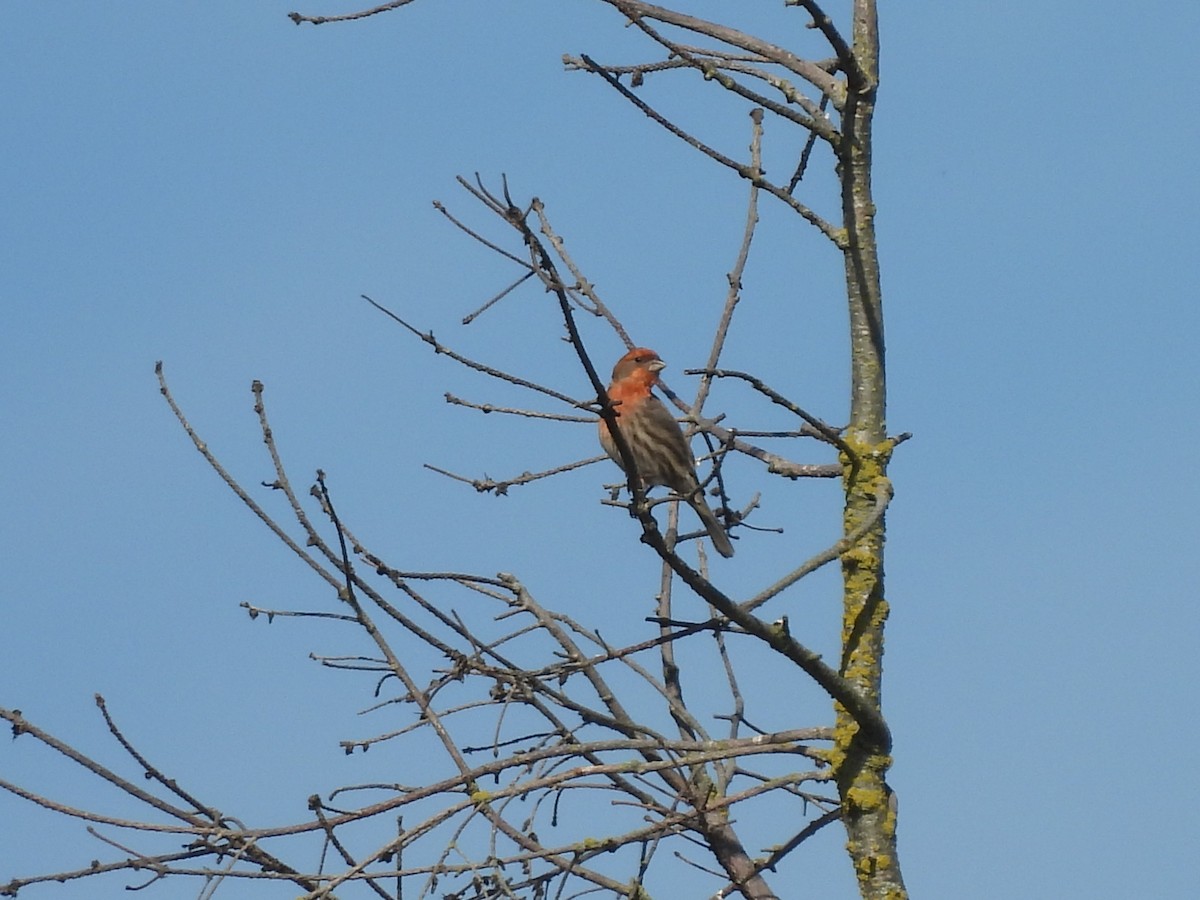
<point x="211" y="186"/>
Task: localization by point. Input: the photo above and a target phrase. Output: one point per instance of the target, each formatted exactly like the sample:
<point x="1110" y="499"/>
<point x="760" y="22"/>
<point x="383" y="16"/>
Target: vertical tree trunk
<point x="868" y="810"/>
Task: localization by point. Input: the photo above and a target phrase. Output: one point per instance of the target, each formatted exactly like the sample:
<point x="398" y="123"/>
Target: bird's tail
<point x="716" y="533"/>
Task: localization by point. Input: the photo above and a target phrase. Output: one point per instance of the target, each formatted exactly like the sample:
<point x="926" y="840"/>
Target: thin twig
<point x="487" y="485"/>
<point x="836" y="235"/>
<point x="524" y="413"/>
<point x="438" y="347"/>
<point x="734" y="294"/>
<point x="300" y="18"/>
<point x="824" y="430"/>
<point x="844" y="545"/>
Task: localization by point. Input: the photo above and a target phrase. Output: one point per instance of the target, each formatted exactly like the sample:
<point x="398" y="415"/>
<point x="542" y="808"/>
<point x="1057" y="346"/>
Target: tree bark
<point x="868" y="807"/>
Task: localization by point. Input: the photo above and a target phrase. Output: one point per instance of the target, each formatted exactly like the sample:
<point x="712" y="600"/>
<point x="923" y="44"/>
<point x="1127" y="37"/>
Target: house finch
<point x="660" y="451"/>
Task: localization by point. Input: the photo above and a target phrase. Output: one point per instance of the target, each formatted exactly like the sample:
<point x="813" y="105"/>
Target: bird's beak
<point x="656" y="365"/>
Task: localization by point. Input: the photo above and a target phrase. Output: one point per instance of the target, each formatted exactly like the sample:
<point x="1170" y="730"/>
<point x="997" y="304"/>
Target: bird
<point x="660" y="451"/>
